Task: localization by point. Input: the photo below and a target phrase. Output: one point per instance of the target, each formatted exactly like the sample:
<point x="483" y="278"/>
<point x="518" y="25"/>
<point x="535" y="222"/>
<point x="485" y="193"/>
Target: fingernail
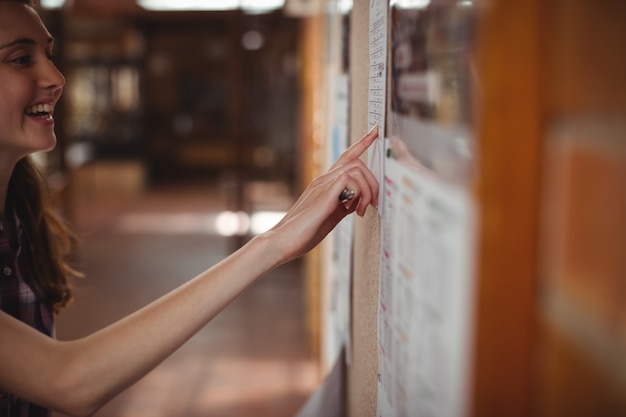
<point x="375" y="127"/>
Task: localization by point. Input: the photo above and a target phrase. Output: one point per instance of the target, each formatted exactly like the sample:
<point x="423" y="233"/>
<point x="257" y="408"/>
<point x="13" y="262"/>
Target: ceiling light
<point x="345" y="6"/>
<point x="181" y="5"/>
<point x="410" y="4"/>
<point x="52" y="4"/>
<point x="261" y="6"/>
<point x="249" y="6"/>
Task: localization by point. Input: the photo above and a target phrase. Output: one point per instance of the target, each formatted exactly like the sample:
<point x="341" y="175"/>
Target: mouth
<point x="40" y="111"/>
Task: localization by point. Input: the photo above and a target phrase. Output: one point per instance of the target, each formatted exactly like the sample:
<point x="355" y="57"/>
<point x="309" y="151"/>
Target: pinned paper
<point x="377" y="90"/>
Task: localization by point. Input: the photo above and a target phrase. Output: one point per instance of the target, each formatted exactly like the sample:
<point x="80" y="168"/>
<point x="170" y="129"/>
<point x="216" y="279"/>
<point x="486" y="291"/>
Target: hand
<point x="318" y="210"/>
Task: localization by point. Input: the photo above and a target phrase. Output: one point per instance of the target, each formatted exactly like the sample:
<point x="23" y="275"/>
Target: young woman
<point x="39" y="373"/>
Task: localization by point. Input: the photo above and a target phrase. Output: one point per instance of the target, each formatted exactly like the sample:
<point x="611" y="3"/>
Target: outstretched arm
<point x="78" y="377"/>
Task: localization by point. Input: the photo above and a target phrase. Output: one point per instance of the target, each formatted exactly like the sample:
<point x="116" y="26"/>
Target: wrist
<point x="267" y="246"/>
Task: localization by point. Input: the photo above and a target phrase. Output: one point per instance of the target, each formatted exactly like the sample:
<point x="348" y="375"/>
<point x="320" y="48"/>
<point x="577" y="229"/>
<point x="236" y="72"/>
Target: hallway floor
<point x="252" y="360"/>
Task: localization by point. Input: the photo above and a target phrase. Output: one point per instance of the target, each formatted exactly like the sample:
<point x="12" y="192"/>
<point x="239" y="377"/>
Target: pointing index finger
<point x="361" y="145"/>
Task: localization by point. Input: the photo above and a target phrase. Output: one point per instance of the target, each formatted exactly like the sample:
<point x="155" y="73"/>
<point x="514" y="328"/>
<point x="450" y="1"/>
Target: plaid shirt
<point x="18" y="300"/>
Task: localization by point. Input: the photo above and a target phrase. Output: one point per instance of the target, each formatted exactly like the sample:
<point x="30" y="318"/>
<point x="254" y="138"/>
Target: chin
<point x="40" y="148"/>
<point x="49" y="145"/>
<point x="49" y="148"/>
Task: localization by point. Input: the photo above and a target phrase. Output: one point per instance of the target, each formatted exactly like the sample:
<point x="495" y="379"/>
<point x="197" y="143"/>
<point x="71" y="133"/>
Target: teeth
<point x="39" y="108"/>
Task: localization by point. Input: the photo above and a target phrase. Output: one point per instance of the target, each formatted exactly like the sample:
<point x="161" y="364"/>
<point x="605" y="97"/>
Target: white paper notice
<point x="426" y="297"/>
<point x="377" y="86"/>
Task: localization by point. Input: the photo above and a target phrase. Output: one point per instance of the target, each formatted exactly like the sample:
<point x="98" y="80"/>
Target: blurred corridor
<point x="164" y="182"/>
<point x="254" y="359"/>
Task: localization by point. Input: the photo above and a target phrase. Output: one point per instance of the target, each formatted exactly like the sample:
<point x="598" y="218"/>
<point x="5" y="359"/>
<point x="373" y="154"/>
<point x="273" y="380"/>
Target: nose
<point x="51" y="77"/>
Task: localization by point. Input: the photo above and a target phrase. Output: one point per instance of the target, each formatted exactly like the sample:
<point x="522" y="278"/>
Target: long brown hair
<point x="49" y="239"/>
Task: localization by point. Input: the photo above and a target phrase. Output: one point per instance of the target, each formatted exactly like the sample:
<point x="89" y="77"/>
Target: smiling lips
<point x="42" y="111"/>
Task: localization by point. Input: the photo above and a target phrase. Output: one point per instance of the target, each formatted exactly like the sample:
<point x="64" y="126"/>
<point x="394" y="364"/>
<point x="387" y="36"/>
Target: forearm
<point x="94" y="369"/>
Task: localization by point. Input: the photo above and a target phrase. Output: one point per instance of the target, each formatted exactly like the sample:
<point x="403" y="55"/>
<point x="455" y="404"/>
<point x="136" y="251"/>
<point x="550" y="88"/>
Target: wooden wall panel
<point x="509" y="136"/>
<point x="311" y="129"/>
<point x="581" y="354"/>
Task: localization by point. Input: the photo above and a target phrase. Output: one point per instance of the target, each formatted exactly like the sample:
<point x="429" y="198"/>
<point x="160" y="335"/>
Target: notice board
<point x="412" y="288"/>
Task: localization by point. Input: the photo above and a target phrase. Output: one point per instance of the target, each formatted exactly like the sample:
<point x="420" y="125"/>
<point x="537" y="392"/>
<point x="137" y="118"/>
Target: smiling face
<point x="30" y="84"/>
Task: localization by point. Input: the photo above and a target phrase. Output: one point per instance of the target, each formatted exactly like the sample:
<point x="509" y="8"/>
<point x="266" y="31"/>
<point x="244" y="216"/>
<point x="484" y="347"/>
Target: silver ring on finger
<point x="346" y="195"/>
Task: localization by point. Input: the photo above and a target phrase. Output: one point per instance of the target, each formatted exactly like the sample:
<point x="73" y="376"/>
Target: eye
<point x="23" y="60"/>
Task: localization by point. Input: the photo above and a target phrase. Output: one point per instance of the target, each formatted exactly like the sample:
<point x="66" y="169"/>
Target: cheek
<point x="4" y="114"/>
<point x="13" y="99"/>
<point x="16" y="87"/>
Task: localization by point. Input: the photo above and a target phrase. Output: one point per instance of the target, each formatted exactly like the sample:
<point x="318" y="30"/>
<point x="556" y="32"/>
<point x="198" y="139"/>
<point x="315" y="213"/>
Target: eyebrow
<point x="24" y="41"/>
